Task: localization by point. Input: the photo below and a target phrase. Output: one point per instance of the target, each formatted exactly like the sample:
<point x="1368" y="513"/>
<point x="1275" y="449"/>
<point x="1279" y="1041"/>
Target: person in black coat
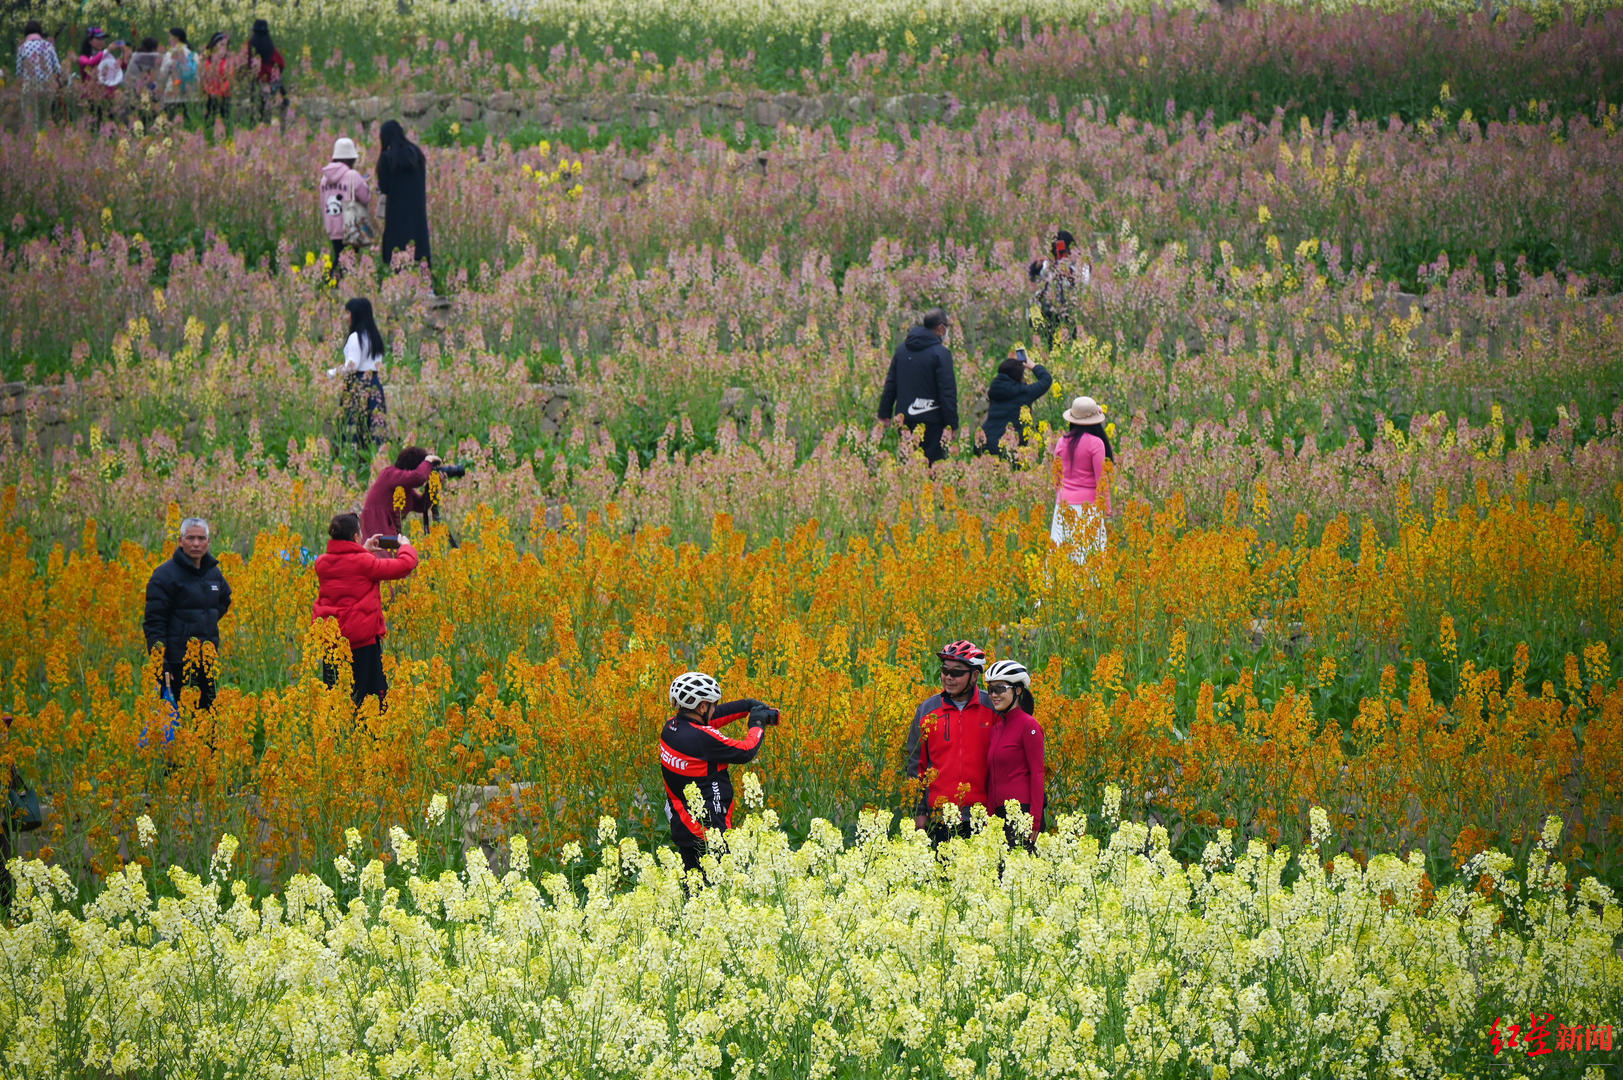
<point x="403" y="179"/>
<point x="186" y="598"/>
<point x="1007" y="396"/>
<point x="921" y="384"/>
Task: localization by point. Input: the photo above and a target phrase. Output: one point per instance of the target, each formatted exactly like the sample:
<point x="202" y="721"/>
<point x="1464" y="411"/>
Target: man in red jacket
<point x="349" y="573"/>
<point x="947" y="744"/>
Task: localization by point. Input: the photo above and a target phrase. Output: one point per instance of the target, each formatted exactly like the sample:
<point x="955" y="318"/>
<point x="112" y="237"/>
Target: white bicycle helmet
<point x="691" y="688"/>
<point x="1009" y="671"/>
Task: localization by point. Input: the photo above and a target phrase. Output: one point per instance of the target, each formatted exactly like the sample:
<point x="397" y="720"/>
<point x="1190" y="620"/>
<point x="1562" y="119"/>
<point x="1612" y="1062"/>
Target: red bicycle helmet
<point x="965" y="652"/>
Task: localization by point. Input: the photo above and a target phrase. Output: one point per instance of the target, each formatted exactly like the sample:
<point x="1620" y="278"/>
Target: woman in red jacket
<point x="349" y="574"/>
<point x="1014" y="757"/>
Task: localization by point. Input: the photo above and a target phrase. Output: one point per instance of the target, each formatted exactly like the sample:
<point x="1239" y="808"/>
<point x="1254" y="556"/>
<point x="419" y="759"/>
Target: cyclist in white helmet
<point x="1014" y="758"/>
<point x="692" y="750"/>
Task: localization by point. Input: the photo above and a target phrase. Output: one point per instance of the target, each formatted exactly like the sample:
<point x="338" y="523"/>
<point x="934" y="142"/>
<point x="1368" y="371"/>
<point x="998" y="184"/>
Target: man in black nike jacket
<point x="921" y="386"/>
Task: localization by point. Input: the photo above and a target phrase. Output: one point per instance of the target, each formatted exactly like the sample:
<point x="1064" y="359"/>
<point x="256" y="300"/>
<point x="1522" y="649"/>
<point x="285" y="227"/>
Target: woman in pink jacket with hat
<point x="342" y="187"/>
<point x="1083" y="500"/>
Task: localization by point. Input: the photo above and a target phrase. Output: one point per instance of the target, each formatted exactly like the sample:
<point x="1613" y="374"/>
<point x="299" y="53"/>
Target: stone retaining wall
<point x="505" y="111"/>
<point x="56" y="411"/>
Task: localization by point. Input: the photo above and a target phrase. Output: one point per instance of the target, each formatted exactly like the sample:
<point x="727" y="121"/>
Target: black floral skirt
<point x="364" y="418"/>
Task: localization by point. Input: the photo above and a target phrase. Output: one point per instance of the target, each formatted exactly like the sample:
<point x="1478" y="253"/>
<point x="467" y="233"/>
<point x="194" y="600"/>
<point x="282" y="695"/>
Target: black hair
<point x="1062" y="237"/>
<point x="260" y="42"/>
<point x="344" y="526"/>
<point x="402" y="155"/>
<point x="32" y="26"/>
<point x="179" y="34"/>
<point x="1013" y="368"/>
<point x="361" y="322"/>
<point x="934" y="319"/>
<point x="411" y="457"/>
<point x="217" y="37"/>
<point x="1074" y="436"/>
<point x="149" y="44"/>
<point x="1098" y="431"/>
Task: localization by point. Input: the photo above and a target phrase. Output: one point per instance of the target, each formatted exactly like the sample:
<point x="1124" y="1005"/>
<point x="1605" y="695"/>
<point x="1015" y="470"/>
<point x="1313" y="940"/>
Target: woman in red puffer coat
<point x="349" y="574"/>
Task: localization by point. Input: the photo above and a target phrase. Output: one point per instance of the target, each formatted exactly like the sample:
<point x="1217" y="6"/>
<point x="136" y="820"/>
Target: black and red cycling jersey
<point x="691" y="752"/>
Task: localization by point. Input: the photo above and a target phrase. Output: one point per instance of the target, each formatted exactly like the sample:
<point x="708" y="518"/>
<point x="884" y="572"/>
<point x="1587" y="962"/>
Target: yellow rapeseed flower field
<point x="878" y="957"/>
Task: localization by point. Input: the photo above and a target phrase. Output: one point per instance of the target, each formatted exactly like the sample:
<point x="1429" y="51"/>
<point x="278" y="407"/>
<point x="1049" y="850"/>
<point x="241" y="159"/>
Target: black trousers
<point x="930" y="439"/>
<point x="179" y="680"/>
<point x="941" y="832"/>
<point x="1018" y="839"/>
<point x="369" y="677"/>
<point x="690" y="847"/>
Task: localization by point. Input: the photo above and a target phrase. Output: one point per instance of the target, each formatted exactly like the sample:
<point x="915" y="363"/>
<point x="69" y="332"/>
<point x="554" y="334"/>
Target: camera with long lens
<point x="431" y="512"/>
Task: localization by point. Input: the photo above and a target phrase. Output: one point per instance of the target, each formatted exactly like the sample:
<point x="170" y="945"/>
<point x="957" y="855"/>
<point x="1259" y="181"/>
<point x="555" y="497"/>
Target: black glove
<point x="763" y="716"/>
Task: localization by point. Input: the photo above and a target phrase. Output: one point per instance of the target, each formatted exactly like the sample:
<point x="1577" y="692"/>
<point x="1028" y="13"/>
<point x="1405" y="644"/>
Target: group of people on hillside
<point x="146" y="76"/>
<point x="968" y="746"/>
<point x="921" y="394"/>
<point x="188" y="594"/>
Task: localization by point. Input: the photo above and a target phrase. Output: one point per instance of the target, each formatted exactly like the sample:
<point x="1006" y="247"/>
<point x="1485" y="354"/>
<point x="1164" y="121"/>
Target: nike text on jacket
<point x="920" y="384"/>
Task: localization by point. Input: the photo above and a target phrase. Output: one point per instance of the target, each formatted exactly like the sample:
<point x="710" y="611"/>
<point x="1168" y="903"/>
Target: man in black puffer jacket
<point x="186" y="598"/>
<point x="921" y="384"/>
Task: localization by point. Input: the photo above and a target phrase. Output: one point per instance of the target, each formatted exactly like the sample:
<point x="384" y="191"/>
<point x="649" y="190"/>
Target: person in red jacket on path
<point x="946" y="746"/>
<point x="1015" y="757"/>
<point x="380" y="516"/>
<point x="349" y="573"/>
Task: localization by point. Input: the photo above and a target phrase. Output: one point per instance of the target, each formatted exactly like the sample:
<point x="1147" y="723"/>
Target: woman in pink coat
<point x="342" y="187"/>
<point x="1082" y="501"/>
<point x="1014" y="756"/>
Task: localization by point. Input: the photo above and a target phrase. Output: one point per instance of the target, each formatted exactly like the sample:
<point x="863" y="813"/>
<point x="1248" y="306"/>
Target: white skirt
<point x="1080" y="525"/>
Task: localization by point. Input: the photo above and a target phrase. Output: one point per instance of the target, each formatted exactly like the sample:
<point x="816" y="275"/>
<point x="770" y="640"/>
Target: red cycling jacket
<point x="946" y="746"/>
<point x="349" y="576"/>
<point x="695" y="753"/>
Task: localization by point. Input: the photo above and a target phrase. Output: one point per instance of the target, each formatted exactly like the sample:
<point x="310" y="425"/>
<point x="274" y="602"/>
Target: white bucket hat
<point x="344" y="150"/>
<point x="1084" y="410"/>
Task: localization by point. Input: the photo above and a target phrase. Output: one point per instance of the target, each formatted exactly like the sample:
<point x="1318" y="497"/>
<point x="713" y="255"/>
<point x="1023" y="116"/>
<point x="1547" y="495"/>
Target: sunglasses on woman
<point x="999" y="689"/>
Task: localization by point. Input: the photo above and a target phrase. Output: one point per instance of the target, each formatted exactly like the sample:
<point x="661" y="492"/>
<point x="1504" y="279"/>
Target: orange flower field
<point x="1441" y="692"/>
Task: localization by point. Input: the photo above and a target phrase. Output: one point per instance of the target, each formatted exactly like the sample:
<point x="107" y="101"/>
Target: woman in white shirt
<point x="364" y="414"/>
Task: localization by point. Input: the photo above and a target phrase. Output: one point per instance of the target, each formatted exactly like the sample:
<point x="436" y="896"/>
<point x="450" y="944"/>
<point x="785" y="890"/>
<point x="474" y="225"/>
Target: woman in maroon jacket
<point x="1014" y="757"/>
<point x="349" y="574"/>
